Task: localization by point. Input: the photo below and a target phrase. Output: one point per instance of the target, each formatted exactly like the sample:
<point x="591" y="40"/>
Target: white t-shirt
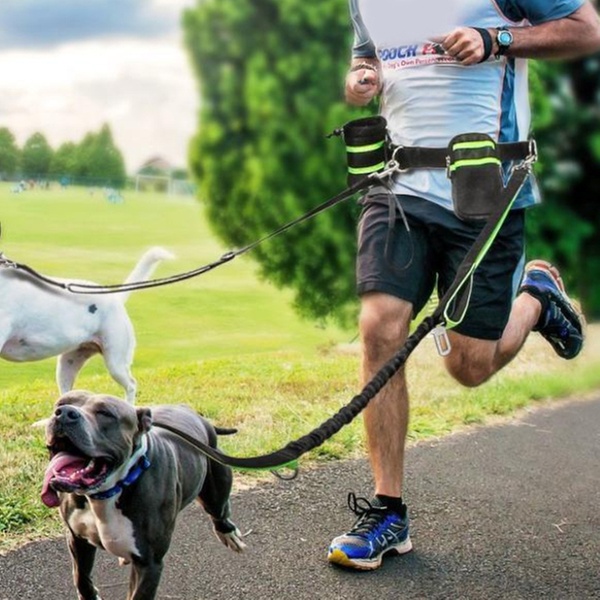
<point x="428" y="97"/>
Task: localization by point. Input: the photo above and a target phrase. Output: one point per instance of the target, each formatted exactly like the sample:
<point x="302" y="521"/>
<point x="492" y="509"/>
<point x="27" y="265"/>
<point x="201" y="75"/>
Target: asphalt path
<point x="507" y="511"/>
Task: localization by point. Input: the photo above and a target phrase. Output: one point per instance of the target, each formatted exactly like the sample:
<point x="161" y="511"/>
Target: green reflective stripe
<point x="473" y="145"/>
<point x="369" y="148"/>
<point x="450" y="323"/>
<point x="474" y="162"/>
<point x="364" y="170"/>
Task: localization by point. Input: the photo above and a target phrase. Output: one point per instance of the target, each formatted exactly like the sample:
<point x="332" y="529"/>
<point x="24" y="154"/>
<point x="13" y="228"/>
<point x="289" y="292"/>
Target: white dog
<point x="38" y="321"/>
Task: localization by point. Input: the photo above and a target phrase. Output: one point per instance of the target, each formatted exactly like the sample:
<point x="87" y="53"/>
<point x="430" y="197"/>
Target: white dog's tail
<point x="146" y="265"/>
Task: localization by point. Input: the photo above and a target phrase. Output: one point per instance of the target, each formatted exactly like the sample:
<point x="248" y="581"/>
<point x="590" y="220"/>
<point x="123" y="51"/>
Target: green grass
<point x="75" y="234"/>
<point x="225" y="343"/>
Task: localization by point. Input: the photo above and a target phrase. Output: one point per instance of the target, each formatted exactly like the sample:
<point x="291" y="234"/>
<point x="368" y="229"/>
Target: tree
<point x="564" y="229"/>
<point x="98" y="159"/>
<point x="85" y="150"/>
<point x="585" y="79"/>
<point x="105" y="161"/>
<point x="64" y="161"/>
<point x="9" y="153"/>
<point x="36" y="156"/>
<point x="271" y="73"/>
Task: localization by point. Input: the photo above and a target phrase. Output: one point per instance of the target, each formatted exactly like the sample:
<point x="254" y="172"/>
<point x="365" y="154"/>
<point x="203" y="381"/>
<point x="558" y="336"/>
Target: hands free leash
<point x="474" y="164"/>
<point x="289" y="454"/>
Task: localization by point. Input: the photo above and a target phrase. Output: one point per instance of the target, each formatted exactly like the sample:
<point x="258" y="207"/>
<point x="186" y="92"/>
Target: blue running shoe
<point x="560" y="321"/>
<point x="378" y="530"/>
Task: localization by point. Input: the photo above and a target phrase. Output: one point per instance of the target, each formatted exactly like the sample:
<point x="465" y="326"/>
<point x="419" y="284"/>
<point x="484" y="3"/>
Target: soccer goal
<point x="154" y="183"/>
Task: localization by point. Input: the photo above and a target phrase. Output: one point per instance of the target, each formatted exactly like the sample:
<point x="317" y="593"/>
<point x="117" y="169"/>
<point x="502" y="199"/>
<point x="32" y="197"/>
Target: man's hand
<point x="362" y="85"/>
<point x="465" y="44"/>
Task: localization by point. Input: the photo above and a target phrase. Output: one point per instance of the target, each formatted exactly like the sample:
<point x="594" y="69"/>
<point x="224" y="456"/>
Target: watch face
<point x="505" y="38"/>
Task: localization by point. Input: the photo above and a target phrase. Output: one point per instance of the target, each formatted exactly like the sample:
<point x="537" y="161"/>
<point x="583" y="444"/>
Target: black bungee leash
<point x="453" y="302"/>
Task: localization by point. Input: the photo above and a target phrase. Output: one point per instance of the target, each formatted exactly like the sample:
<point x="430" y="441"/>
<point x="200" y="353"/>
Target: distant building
<point x="156" y="165"/>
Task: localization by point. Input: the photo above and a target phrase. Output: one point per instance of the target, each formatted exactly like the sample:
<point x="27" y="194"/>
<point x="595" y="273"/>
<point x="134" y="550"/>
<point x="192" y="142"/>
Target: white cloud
<point x="142" y="87"/>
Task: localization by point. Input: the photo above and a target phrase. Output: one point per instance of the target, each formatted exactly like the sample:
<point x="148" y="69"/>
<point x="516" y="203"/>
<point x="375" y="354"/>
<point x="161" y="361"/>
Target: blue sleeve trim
<point x="539" y="11"/>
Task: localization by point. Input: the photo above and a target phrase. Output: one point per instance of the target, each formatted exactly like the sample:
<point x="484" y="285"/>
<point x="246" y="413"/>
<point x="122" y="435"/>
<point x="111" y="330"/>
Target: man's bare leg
<point x="384" y="324"/>
<point x="472" y="361"/>
<point x="382" y="525"/>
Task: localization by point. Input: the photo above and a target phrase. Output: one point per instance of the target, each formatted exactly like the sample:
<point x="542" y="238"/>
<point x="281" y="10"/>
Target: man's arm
<point x="363" y="81"/>
<point x="573" y="36"/>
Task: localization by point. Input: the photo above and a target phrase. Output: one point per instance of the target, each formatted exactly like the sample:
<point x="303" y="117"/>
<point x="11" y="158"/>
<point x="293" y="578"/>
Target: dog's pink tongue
<point x="61" y="463"/>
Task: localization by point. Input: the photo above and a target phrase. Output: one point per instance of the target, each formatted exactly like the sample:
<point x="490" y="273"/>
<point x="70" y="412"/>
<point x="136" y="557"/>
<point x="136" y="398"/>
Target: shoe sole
<point x="550" y="268"/>
<point x="341" y="559"/>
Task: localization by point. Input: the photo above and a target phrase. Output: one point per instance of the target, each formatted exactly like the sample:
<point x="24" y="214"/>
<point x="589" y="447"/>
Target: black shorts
<point x="407" y="264"/>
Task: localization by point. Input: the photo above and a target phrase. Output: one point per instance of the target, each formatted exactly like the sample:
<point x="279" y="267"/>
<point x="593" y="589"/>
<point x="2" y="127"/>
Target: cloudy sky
<point x="68" y="66"/>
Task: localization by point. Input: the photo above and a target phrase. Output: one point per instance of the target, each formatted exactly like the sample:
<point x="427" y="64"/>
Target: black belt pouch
<point x="365" y="141"/>
<point x="475" y="170"/>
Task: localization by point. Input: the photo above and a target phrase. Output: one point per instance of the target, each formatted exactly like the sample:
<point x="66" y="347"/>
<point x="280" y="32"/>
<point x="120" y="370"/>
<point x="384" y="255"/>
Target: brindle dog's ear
<point x="144" y="416"/>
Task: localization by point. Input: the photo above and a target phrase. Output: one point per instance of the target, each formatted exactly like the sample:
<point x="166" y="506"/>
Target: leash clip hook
<point x="393" y="166"/>
<point x="531" y="158"/>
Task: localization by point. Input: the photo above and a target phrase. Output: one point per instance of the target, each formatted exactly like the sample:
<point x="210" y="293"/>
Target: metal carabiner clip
<point x="390" y="168"/>
<point x="531" y="158"/>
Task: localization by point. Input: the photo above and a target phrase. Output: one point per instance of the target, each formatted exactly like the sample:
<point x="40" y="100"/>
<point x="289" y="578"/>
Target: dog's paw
<point x="233" y="539"/>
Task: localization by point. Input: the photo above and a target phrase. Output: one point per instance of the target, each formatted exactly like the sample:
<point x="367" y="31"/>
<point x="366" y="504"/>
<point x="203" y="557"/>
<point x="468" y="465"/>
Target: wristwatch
<point x="504" y="38"/>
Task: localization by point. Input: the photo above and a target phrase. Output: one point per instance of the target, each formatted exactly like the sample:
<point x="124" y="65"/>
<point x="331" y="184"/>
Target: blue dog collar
<point x="136" y="471"/>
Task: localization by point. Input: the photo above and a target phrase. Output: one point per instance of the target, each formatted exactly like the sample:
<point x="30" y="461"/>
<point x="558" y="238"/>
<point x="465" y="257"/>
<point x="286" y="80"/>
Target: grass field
<point x="226" y="343"/>
<point x="75" y="234"/>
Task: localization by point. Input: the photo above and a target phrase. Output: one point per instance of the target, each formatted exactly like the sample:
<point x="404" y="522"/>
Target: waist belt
<point x="417" y="157"/>
<point x="368" y="150"/>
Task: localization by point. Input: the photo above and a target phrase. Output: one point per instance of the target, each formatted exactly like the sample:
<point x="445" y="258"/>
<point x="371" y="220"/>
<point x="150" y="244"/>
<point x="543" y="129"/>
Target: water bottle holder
<point x="366" y="147"/>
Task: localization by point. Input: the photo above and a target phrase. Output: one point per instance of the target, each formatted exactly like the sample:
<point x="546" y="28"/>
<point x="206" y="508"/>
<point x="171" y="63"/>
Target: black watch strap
<point x="488" y="43"/>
